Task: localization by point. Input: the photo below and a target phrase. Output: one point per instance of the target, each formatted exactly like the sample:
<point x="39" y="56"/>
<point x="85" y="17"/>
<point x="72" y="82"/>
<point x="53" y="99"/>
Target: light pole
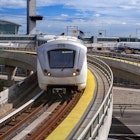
<point x="73" y="28"/>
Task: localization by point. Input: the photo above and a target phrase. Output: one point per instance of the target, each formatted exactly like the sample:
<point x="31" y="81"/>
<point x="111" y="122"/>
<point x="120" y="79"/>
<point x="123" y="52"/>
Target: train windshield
<point x="61" y="58"/>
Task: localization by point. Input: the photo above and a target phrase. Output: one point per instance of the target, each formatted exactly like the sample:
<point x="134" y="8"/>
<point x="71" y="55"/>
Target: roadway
<point x="126" y="112"/>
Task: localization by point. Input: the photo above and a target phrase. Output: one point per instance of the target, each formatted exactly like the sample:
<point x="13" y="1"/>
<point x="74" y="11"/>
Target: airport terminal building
<point x="7" y="27"/>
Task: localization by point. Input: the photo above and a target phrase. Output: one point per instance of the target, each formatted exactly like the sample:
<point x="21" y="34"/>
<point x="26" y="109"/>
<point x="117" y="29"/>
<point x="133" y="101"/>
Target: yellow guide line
<point x="68" y="124"/>
<point x="20" y="51"/>
<point x="120" y="60"/>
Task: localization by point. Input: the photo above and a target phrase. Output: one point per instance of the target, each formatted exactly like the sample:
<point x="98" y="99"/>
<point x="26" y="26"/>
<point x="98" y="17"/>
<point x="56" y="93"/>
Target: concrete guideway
<point x="123" y="109"/>
<point x="124" y="62"/>
<point x="18" y="56"/>
<point x="124" y="67"/>
<point x="126" y="106"/>
<point x="98" y="125"/>
<point x="63" y="130"/>
<point x="13" y="59"/>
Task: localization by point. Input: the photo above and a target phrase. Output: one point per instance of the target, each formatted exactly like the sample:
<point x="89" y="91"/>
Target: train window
<point x="61" y="58"/>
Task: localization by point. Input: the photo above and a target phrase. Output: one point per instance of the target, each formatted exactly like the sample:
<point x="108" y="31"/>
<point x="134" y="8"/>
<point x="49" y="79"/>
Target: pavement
<point x="126" y="112"/>
<point x="126" y="95"/>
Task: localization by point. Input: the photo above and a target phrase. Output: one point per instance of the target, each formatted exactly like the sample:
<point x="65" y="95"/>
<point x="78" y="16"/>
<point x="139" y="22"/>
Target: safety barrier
<point x="92" y="129"/>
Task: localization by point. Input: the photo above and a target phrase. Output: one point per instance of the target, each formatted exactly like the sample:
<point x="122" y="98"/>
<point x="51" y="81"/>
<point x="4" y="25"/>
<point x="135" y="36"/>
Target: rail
<point x="11" y="115"/>
<point x="93" y="127"/>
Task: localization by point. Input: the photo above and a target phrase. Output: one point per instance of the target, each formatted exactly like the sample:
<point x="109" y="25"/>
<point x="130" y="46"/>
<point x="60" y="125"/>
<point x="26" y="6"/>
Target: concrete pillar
<point x="29" y="72"/>
<point x="31" y="12"/>
<point x="11" y="71"/>
<point x="32" y="17"/>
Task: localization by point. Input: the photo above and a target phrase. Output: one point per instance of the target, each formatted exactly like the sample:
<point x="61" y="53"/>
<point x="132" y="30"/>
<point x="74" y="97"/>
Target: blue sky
<point x="116" y="18"/>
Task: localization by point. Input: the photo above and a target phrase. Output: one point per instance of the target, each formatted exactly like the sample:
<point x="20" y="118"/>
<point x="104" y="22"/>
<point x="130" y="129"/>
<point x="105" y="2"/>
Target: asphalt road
<point x="126" y="115"/>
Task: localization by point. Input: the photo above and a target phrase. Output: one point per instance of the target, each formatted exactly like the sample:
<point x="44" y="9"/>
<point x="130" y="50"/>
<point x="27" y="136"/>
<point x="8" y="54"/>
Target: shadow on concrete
<point x="119" y="131"/>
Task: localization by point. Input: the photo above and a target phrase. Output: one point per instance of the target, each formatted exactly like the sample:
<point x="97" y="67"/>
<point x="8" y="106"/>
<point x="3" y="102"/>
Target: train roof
<point x="65" y="38"/>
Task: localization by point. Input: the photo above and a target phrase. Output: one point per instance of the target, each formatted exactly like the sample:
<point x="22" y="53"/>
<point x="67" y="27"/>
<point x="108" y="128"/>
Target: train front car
<point x="62" y="64"/>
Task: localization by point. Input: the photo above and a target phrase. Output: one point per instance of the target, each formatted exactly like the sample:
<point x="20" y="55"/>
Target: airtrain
<point x="62" y="64"/>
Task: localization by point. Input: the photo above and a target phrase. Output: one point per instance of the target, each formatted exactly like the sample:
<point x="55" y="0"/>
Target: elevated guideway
<point x="126" y="104"/>
<point x="101" y="121"/>
<point x="127" y="63"/>
<point x="13" y="59"/>
<point x="98" y="126"/>
<point x="96" y="120"/>
<point x="123" y="66"/>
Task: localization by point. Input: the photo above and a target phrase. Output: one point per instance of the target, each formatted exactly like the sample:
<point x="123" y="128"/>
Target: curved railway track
<point x="102" y="86"/>
<point x="9" y="127"/>
<point x="56" y="117"/>
<point x="41" y="117"/>
<point x="55" y="107"/>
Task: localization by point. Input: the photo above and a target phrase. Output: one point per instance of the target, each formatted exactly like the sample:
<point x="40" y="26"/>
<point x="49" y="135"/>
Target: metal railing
<point x="92" y="129"/>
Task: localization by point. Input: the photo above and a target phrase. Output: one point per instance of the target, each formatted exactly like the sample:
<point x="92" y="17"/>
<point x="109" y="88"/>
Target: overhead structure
<point x="32" y="17"/>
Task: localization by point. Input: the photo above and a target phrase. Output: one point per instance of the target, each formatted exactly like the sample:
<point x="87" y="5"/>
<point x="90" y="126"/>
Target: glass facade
<point x="8" y="27"/>
<point x="107" y="39"/>
<point x="117" y="39"/>
<point x="16" y="38"/>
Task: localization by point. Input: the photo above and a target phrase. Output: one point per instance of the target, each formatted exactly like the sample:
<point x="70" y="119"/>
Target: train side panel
<point x="52" y="72"/>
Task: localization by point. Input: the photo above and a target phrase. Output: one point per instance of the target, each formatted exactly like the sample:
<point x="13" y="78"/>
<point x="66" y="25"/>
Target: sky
<point x="111" y="17"/>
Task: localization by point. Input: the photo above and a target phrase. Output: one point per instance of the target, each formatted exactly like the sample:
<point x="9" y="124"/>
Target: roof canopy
<point x="8" y="22"/>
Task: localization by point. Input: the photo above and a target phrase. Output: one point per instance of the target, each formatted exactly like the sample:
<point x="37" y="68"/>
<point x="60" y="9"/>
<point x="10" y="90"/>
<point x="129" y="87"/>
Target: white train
<point x="62" y="64"/>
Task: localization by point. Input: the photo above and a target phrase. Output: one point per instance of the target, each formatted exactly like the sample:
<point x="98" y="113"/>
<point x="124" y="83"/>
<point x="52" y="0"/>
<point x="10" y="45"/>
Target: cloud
<point x="97" y="15"/>
<point x="124" y="23"/>
<point x="64" y="15"/>
<point x="115" y="16"/>
<point x="12" y="4"/>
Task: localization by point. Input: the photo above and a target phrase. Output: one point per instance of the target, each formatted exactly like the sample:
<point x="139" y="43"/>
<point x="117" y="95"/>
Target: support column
<point x="31" y="11"/>
<point x="29" y="72"/>
<point x="32" y="17"/>
<point x="11" y="71"/>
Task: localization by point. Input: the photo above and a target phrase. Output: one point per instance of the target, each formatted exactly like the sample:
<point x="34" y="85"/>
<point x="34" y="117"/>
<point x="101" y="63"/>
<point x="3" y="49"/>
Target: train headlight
<point x="74" y="74"/>
<point x="49" y="74"/>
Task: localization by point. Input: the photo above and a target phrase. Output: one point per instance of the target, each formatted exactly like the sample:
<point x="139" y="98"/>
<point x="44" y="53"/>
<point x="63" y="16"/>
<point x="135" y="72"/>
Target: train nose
<point x="76" y="72"/>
